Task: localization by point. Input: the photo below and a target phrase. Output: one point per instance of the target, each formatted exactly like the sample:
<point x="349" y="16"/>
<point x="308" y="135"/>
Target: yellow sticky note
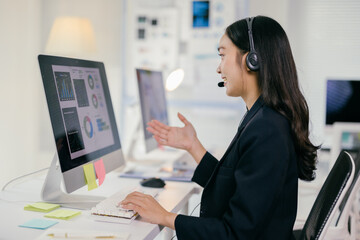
<point x="41" y="207"/>
<point x="64" y="214"/>
<point x="90" y="178"/>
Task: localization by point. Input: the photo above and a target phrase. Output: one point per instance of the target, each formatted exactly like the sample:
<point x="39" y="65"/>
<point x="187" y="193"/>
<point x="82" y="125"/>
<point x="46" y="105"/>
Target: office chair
<point x="327" y="202"/>
<point x="345" y="226"/>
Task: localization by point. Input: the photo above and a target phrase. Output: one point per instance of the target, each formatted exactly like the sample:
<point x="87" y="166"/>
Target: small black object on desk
<point x="152" y="182"/>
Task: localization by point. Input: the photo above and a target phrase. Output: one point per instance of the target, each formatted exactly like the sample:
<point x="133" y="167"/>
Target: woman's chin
<point x="229" y="93"/>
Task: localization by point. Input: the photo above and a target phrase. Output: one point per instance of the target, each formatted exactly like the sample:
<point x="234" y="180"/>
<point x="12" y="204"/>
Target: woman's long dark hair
<point x="278" y="83"/>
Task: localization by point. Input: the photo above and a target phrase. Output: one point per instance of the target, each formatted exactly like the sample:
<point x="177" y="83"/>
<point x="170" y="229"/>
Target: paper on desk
<point x="165" y="173"/>
<point x="100" y="170"/>
<point x="64" y="214"/>
<point x="41" y="207"/>
<point x="38" y="223"/>
<point x="90" y="178"/>
<point x="82" y="234"/>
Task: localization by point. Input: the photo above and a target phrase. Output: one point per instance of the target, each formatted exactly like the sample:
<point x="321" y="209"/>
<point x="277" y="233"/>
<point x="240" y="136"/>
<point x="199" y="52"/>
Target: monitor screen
<point x="82" y="116"/>
<point x="342" y="101"/>
<point x="152" y="101"/>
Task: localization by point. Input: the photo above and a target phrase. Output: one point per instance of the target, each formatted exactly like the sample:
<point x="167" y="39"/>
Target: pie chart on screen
<point x="89" y="130"/>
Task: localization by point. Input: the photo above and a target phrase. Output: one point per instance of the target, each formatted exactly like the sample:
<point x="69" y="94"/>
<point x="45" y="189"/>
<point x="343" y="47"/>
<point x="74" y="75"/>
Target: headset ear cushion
<point x="252" y="61"/>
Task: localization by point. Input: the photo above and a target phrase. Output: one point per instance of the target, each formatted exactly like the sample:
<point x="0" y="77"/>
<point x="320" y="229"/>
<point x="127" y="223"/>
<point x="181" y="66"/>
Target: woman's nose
<point x="218" y="69"/>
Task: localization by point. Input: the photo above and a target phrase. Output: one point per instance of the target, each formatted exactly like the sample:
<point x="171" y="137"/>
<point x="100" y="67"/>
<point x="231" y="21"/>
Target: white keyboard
<point x="109" y="211"/>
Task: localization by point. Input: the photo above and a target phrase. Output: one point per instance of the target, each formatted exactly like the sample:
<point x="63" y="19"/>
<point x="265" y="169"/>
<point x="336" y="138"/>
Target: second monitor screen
<point x="152" y="98"/>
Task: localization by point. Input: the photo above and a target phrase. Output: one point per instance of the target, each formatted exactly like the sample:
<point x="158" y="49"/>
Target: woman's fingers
<point x="163" y="136"/>
<point x="131" y="206"/>
<point x="133" y="201"/>
<point x="158" y="125"/>
<point x="147" y="207"/>
<point x="161" y="141"/>
<point x="152" y="130"/>
<point x="136" y="193"/>
<point x="137" y="202"/>
<point x="155" y="131"/>
<point x="183" y="119"/>
<point x="158" y="132"/>
<point x="133" y="195"/>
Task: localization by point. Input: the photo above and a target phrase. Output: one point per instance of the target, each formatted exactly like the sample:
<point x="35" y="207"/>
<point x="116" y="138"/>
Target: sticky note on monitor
<point x="39" y="223"/>
<point x="41" y="207"/>
<point x="100" y="170"/>
<point x="64" y="214"/>
<point x="90" y="178"/>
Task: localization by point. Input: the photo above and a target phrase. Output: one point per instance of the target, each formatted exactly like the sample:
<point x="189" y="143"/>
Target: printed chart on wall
<point x="83" y="107"/>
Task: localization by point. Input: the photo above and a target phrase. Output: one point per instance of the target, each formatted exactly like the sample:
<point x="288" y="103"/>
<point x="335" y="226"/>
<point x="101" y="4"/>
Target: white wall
<point x="19" y="45"/>
<point x="26" y="142"/>
<point x="277" y="9"/>
<point x="325" y="39"/>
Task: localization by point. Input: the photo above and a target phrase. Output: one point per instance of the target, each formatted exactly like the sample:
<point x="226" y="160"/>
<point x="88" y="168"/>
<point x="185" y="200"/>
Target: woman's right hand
<point x="176" y="137"/>
<point x="183" y="138"/>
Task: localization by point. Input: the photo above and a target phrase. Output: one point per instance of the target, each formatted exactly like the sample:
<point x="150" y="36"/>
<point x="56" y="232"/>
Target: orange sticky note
<point x="90" y="178"/>
<point x="100" y="170"/>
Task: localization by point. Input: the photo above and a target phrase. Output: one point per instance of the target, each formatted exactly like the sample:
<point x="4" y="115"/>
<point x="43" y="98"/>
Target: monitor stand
<point x="135" y="136"/>
<point x="52" y="193"/>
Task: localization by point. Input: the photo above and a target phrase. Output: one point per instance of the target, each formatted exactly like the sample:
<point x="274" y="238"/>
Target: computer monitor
<point x="342" y="101"/>
<point x="82" y="120"/>
<point x="152" y="101"/>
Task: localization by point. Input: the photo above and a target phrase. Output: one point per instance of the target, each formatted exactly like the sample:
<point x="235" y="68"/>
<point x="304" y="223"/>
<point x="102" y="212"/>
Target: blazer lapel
<point x="249" y="115"/>
<point x="255" y="108"/>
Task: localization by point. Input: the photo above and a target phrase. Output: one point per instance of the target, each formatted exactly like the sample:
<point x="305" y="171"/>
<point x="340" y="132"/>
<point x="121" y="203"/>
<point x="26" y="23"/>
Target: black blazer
<point x="251" y="193"/>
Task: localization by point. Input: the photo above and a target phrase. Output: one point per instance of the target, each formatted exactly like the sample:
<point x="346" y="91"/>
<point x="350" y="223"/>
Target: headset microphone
<point x="221" y="84"/>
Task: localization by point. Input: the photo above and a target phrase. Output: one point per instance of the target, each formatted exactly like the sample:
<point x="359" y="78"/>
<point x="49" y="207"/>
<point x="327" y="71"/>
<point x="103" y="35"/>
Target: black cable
<point x="194" y="209"/>
<point x="189" y="215"/>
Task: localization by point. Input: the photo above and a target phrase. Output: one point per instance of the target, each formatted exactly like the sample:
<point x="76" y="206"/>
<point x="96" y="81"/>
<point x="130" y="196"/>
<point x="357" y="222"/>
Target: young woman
<point x="251" y="193"/>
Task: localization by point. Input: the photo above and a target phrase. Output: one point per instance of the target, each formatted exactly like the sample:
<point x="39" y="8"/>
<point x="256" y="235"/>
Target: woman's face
<point x="231" y="69"/>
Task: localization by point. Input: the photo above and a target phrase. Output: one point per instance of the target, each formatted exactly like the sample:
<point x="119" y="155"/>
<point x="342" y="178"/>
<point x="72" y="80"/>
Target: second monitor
<point x="154" y="106"/>
<point x="152" y="102"/>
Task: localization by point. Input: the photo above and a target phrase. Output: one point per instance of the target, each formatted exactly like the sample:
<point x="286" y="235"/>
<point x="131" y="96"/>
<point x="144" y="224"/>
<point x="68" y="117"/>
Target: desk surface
<point x="12" y="201"/>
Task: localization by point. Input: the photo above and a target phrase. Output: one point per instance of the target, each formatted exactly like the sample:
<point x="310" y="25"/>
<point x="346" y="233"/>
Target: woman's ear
<point x="241" y="58"/>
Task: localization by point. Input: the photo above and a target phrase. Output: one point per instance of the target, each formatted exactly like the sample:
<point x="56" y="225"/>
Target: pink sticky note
<point x="100" y="170"/>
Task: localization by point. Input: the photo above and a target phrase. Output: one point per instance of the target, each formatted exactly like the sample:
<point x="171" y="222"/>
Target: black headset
<point x="252" y="60"/>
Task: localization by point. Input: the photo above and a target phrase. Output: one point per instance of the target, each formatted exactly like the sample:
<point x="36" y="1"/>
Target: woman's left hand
<point x="149" y="209"/>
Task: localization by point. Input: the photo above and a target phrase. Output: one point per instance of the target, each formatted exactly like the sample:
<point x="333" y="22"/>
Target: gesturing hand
<point x="176" y="137"/>
<point x="149" y="209"/>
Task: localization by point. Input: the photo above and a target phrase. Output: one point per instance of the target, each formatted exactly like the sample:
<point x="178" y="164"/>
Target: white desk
<point x="12" y="201"/>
